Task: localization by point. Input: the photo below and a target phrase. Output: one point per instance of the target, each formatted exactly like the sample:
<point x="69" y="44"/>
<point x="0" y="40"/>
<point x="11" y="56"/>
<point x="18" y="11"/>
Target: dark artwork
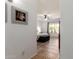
<point x="20" y="16"/>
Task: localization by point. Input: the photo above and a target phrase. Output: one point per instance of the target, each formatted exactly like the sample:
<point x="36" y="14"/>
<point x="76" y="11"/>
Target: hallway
<point x="48" y="50"/>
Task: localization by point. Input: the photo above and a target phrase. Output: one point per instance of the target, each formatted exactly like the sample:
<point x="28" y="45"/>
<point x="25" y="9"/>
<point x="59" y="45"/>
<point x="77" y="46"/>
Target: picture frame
<point x="19" y="16"/>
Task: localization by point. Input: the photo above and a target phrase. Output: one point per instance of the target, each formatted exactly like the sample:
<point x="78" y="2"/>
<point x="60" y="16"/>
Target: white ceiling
<point x="48" y="7"/>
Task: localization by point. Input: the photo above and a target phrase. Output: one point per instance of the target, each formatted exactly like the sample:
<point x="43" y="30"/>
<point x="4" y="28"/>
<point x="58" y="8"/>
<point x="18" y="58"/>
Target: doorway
<point x="48" y="31"/>
<point x="54" y="31"/>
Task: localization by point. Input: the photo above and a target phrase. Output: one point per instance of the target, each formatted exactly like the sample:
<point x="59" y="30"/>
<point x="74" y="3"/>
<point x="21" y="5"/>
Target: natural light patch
<point x="54" y="28"/>
<point x="38" y="29"/>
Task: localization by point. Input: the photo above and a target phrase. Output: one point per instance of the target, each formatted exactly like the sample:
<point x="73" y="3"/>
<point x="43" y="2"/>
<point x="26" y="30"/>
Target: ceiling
<point x="48" y="7"/>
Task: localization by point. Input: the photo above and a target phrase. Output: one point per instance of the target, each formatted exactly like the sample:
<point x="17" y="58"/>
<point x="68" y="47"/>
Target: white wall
<point x="21" y="38"/>
<point x="66" y="29"/>
<point x="42" y="25"/>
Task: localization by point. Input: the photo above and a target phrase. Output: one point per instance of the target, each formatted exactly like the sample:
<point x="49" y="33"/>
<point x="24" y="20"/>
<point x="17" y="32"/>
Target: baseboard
<point x="33" y="55"/>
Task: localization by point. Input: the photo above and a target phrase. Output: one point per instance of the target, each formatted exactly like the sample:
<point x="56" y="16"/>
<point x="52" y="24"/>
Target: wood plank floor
<point x="48" y="50"/>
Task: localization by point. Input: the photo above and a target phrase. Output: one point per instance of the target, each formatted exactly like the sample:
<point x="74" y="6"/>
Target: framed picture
<point x="19" y="16"/>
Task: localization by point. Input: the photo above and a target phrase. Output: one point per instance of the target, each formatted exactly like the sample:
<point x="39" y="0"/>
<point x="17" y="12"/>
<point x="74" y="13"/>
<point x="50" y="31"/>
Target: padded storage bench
<point x="43" y="37"/>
